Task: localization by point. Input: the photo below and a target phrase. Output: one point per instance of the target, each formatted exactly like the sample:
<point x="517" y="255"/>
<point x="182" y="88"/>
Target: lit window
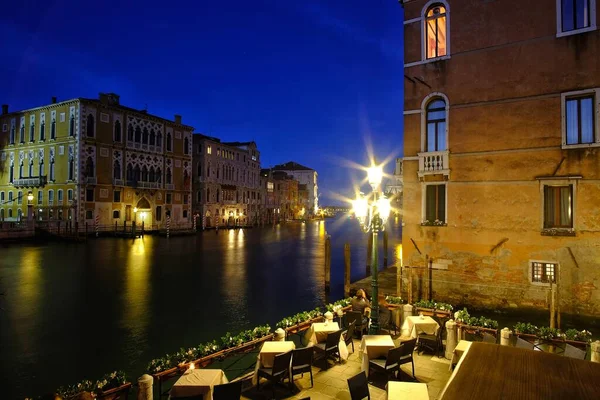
<point x="436" y="31"/>
<point x="208" y="150"/>
<point x="542" y="272"/>
<point x="435" y="204"/>
<point x="558" y="206"/>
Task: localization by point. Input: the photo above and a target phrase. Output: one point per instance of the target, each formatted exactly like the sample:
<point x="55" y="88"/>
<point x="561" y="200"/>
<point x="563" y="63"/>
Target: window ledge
<point x="558" y="232"/>
<point x="434" y="223"/>
<point x="579" y="146"/>
<point x="427" y="61"/>
<point x="576" y="31"/>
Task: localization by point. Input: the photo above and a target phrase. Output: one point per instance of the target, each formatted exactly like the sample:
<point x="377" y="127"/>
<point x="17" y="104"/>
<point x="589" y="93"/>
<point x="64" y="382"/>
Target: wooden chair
<point x="228" y="391"/>
<point x="349" y="335"/>
<point x="359" y="387"/>
<point x="280" y="370"/>
<point x="389" y="364"/>
<point x="330" y="347"/>
<point x="432" y="342"/>
<point x="574" y="352"/>
<point x="406" y="355"/>
<point x="302" y="362"/>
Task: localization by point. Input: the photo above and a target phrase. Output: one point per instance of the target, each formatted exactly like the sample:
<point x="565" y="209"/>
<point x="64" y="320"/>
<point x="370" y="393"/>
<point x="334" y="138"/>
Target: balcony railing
<point x="30" y="182"/>
<point x="118" y="182"/>
<point x="433" y="163"/>
<point x="170" y="186"/>
<point x="91" y="180"/>
<point x="148" y="185"/>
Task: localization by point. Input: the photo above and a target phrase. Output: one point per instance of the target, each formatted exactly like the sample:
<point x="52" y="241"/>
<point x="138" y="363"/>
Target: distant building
<point x="502" y="150"/>
<point x="226" y="184"/>
<point x="87" y="158"/>
<point x="395" y="187"/>
<point x="304" y="176"/>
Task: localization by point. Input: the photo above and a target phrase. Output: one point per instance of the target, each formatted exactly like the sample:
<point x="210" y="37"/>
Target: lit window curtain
<point x="549" y="207"/>
<point x="572" y="122"/>
<point x="587" y="120"/>
<point x="431" y="38"/>
<point x="565" y="206"/>
<point x="441" y="36"/>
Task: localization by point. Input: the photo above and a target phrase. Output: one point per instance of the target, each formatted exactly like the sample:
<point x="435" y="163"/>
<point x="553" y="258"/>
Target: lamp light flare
<point x="375" y="175"/>
<point x="384" y="207"/>
<point x="361" y="207"/>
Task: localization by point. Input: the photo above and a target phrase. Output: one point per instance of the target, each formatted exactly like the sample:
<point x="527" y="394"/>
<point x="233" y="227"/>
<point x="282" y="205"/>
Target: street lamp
<point x="372" y="216"/>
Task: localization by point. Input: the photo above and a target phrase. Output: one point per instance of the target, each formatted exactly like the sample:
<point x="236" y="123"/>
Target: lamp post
<point x="372" y="214"/>
<point x="29" y="206"/>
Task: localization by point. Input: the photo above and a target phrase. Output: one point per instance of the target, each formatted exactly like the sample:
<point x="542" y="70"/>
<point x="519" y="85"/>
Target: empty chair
<point x="406" y="355"/>
<point x="330" y="347"/>
<point x="523" y="344"/>
<point x="432" y="342"/>
<point x="357" y="318"/>
<point x="574" y="352"/>
<point x="227" y="391"/>
<point x="389" y="364"/>
<point x="487" y="338"/>
<point x="280" y="370"/>
<point x="359" y="387"/>
<point x="349" y="335"/>
<point x="302" y="362"/>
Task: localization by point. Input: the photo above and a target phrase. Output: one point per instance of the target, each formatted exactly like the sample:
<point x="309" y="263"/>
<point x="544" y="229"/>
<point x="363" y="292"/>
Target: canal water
<point x="77" y="311"/>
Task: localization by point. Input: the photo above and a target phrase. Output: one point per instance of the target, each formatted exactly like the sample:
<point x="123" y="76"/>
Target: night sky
<point x="315" y="81"/>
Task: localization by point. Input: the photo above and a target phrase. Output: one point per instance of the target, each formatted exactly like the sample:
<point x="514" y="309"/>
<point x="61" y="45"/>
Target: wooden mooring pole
<point x="347" y="269"/>
<point x="327" y="263"/>
<point x="552" y="305"/>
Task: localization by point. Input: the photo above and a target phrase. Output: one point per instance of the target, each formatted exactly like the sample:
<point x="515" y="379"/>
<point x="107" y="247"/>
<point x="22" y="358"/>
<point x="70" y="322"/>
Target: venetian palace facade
<point x="226" y="181"/>
<point x="87" y="158"/>
<point x="501" y="162"/>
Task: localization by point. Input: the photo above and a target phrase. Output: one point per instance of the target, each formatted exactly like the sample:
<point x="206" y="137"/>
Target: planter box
<point x="534" y="338"/>
<point x="303" y="325"/>
<point x="475" y="329"/>
<point x="432" y="312"/>
<point x="120" y="392"/>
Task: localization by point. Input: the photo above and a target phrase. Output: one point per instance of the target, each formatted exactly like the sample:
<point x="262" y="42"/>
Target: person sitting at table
<point x="385" y="314"/>
<point x="362" y="305"/>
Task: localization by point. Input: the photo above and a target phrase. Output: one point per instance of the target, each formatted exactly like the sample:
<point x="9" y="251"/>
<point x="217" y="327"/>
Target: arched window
<point x="52" y="169"/>
<point x="158" y="175"/>
<point x="186" y="146"/>
<point x="435" y="137"/>
<point x="117" y="131"/>
<point x="117" y="170"/>
<point x="53" y="129"/>
<point x="41" y="168"/>
<point x="11" y="173"/>
<point x="151" y="176"/>
<point x="32" y="132"/>
<point x="169" y="146"/>
<point x="89" y="167"/>
<point x="159" y="139"/>
<point x="136" y="173"/>
<point x="138" y="134"/>
<point x="22" y="134"/>
<point x="144" y="174"/>
<point x="71" y="168"/>
<point x="43" y="131"/>
<point x="168" y="177"/>
<point x="145" y="136"/>
<point x="90" y="125"/>
<point x="130" y="133"/>
<point x="152" y="138"/>
<point x="21" y="170"/>
<point x="30" y="168"/>
<point x="12" y="134"/>
<point x="129" y="172"/>
<point x="436" y="28"/>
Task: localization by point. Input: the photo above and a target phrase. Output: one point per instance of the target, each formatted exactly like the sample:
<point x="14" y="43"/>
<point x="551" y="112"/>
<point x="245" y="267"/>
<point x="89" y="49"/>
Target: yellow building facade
<point x="501" y="165"/>
<point x="90" y="161"/>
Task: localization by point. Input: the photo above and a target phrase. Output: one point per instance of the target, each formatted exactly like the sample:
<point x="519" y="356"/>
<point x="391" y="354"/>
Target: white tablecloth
<point x="267" y="355"/>
<point x="317" y="333"/>
<point x="374" y="346"/>
<point x="459" y="350"/>
<point x="198" y="382"/>
<point x="407" y="390"/>
<point x="426" y="324"/>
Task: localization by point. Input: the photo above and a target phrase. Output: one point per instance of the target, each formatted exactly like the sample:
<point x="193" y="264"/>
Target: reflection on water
<point x="125" y="302"/>
<point x="136" y="315"/>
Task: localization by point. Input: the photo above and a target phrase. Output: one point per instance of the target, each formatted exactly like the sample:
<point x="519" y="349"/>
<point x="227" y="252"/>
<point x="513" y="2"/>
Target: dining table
<point x="198" y="382"/>
<point x="372" y="347"/>
<point x="267" y="354"/>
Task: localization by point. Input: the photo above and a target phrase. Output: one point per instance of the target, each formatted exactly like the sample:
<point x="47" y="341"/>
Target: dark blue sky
<point x="312" y="81"/>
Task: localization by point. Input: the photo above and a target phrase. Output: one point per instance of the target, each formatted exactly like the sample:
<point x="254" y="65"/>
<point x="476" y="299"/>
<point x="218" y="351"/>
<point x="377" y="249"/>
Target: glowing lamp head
<point x="375" y="175"/>
<point x="134" y="209"/>
<point x="360" y="207"/>
<point x="30" y="196"/>
<point x="384" y="207"/>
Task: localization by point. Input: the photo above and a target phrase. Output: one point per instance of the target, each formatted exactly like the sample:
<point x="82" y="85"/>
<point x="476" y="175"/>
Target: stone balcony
<point x="434" y="163"/>
<point x="30" y="182"/>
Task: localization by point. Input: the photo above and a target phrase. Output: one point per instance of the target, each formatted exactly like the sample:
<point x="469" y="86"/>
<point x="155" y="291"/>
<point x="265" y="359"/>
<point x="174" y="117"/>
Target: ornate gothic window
<point x="169" y="145"/>
<point x="138" y="134"/>
<point x="130" y="133"/>
<point x="89" y="167"/>
<point x="129" y="172"/>
<point x="72" y="125"/>
<point x="136" y="173"/>
<point x="158" y="175"/>
<point x="117" y="169"/>
<point x="145" y="136"/>
<point x="90" y="125"/>
<point x="144" y="174"/>
<point x="168" y="176"/>
<point x="117" y="131"/>
<point x="152" y="138"/>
